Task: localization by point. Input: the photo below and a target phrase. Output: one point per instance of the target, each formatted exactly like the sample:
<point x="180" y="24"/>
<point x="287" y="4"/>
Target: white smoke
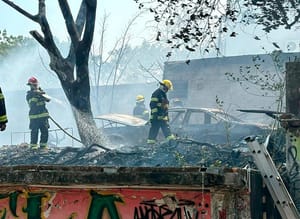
<point x="20" y="65"/>
<point x="15" y="70"/>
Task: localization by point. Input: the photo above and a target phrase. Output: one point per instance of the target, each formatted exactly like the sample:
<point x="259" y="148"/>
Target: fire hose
<point x="71" y="136"/>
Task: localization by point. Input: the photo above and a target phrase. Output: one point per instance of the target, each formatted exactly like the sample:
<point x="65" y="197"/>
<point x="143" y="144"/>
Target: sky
<point x="120" y="12"/>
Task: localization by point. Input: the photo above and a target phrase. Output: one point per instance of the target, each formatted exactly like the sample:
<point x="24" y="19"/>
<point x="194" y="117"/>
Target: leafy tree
<point x="259" y="80"/>
<point x="198" y="24"/>
<point x="8" y="42"/>
<point x="72" y="70"/>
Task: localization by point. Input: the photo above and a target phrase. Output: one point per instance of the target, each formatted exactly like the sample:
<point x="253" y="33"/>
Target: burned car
<point x="212" y="125"/>
<point x="123" y="128"/>
<point x="207" y="125"/>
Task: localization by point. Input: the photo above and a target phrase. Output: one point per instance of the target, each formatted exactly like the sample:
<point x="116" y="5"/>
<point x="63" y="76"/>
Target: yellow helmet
<point x="168" y="84"/>
<point x="140" y="98"/>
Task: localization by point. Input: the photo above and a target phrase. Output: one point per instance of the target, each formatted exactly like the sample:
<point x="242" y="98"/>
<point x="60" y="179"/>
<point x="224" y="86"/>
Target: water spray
<point x="61" y="128"/>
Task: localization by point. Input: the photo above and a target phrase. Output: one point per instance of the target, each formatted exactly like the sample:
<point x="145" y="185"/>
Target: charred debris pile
<point x="175" y="154"/>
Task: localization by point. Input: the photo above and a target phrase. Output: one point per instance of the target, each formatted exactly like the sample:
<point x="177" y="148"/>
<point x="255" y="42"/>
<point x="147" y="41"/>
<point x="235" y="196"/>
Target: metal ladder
<point x="272" y="179"/>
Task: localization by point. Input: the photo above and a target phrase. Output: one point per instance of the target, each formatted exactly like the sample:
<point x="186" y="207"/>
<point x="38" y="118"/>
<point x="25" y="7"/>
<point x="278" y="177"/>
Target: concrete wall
<point x="53" y="192"/>
<point x="120" y="98"/>
<point x="293" y="88"/>
<point x="202" y="80"/>
<point x="64" y="203"/>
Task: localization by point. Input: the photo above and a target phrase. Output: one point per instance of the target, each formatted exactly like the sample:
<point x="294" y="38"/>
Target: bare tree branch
<point x="48" y="37"/>
<point x="47" y="42"/>
<point x="72" y="30"/>
<point x="80" y="21"/>
<point x="38" y="38"/>
<point x="20" y="10"/>
<point x="87" y="39"/>
<point x="83" y="49"/>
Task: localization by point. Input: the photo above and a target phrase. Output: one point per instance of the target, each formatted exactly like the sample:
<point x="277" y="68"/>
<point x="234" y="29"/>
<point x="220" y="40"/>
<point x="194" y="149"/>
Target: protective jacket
<point x="159" y="119"/>
<point x="141" y="111"/>
<point x="3" y="116"/>
<point x="37" y="104"/>
<point x="38" y="115"/>
<point x="159" y="105"/>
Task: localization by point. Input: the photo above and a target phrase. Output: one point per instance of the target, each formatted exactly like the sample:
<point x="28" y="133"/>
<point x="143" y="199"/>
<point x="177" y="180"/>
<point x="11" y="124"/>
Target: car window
<point x="205" y="118"/>
<point x="196" y="118"/>
<point x="226" y="117"/>
<point x="213" y="120"/>
<point x="176" y="118"/>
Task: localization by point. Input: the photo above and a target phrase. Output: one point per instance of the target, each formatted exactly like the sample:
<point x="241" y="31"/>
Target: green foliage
<point x="180" y="158"/>
<point x="257" y="75"/>
<point x="8" y="42"/>
<point x="217" y="163"/>
<point x="191" y="24"/>
<point x="227" y="125"/>
<point x="219" y="102"/>
<point x="199" y="24"/>
<point x="272" y="14"/>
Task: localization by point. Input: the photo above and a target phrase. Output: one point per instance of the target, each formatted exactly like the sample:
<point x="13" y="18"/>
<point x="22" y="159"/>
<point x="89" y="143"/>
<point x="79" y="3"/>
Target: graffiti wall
<point x="123" y="203"/>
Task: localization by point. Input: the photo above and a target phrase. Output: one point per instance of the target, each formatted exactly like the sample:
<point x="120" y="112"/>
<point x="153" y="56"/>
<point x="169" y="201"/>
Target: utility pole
<point x="291" y="122"/>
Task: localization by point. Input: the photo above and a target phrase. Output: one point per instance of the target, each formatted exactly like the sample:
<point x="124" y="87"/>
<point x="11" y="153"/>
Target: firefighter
<point x="3" y="116"/>
<point x="159" y="118"/>
<point x="38" y="114"/>
<point x="140" y="109"/>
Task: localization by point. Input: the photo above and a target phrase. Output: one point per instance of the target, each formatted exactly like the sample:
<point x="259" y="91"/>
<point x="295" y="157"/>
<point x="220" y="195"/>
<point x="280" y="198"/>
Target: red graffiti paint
<point x="54" y="203"/>
<point x="222" y="214"/>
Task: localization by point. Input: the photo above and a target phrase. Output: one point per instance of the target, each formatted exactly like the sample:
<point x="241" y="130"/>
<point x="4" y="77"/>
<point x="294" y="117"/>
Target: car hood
<point x="123" y="119"/>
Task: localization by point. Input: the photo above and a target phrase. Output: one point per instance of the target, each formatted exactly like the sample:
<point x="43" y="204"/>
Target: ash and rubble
<point x="165" y="154"/>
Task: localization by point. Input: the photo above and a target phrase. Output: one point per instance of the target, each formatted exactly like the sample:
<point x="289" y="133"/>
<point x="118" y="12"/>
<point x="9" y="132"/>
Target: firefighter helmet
<point x="32" y="81"/>
<point x="168" y="84"/>
<point x="140" y="98"/>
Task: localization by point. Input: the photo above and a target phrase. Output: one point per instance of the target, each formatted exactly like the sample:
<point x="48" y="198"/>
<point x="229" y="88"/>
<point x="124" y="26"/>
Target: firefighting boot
<point x="34" y="146"/>
<point x="43" y="146"/>
<point x="151" y="141"/>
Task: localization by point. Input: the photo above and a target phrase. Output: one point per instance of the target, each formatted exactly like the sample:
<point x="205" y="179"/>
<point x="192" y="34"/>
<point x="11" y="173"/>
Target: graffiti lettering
<point x="150" y="210"/>
<point x="38" y="203"/>
<point x="34" y="204"/>
<point x="13" y="199"/>
<point x="102" y="202"/>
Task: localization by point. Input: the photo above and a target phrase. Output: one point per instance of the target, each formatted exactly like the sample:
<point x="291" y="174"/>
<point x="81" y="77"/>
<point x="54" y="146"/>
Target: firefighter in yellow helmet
<point x="159" y="118"/>
<point x="38" y="114"/>
<point x="140" y="109"/>
<point x="3" y="116"/>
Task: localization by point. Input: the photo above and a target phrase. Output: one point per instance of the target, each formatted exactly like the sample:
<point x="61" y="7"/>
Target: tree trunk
<point x="75" y="82"/>
<point x="78" y="94"/>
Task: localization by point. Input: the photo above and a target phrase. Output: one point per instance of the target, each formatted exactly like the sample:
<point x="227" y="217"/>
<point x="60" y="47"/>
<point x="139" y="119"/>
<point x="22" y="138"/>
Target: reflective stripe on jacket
<point x="3" y="116"/>
<point x="37" y="104"/>
<point x="159" y="105"/>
